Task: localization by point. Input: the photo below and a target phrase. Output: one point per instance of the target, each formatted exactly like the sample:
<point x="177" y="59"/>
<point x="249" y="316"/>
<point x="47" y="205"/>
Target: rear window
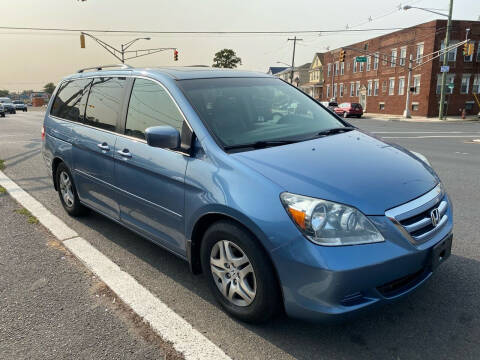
<point x="69" y="104"/>
<point x="105" y="102"/>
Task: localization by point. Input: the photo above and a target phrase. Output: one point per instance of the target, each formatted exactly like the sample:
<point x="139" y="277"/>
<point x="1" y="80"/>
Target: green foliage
<point x="4" y="93"/>
<point x="49" y="88"/>
<point x="2" y="190"/>
<point x="226" y="58"/>
<point x="2" y="164"/>
<point x="30" y="218"/>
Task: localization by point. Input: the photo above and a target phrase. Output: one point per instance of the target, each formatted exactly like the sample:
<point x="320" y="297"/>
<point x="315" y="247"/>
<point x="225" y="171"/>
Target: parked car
<point x="330" y="104"/>
<point x="20" y="105"/>
<point x="349" y="109"/>
<point x="2" y="110"/>
<point x="293" y="210"/>
<point x="8" y="105"/>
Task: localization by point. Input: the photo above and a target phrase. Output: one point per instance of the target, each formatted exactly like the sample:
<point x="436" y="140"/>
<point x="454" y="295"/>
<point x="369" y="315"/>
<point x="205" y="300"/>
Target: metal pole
<point x="293" y="60"/>
<point x="123" y="55"/>
<point x="406" y="113"/>
<point x="445" y="62"/>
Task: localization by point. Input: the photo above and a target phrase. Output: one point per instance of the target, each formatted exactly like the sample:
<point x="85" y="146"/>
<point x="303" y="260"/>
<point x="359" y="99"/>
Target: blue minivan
<point x="282" y="205"/>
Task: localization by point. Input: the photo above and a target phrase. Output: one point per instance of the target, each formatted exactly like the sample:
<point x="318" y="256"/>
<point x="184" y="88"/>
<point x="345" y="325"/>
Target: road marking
<point x="168" y="324"/>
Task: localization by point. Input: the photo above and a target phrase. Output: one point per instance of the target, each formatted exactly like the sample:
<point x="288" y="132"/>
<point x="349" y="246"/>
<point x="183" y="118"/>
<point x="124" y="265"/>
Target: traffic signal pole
<point x="406" y="113"/>
<point x="293" y="56"/>
<point x="445" y="62"/>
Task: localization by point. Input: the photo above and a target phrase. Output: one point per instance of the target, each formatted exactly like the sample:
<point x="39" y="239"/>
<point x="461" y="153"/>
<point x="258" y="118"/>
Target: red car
<point x="349" y="109"/>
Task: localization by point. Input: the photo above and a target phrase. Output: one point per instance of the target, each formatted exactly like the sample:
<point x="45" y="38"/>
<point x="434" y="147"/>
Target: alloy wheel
<point x="233" y="273"/>
<point x="66" y="189"/>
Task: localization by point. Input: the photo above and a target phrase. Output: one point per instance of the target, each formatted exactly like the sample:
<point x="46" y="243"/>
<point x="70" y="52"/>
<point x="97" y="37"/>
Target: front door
<point x="94" y="145"/>
<point x="363" y="98"/>
<point x="151" y="180"/>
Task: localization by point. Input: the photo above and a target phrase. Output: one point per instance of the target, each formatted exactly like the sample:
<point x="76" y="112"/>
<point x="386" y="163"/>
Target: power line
<point x="283" y="32"/>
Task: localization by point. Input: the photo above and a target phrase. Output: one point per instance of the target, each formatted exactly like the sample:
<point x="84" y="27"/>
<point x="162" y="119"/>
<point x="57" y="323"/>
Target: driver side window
<point x="150" y="105"/>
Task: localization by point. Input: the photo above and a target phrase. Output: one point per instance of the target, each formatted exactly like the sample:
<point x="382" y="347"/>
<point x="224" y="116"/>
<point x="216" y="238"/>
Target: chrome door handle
<point x="103" y="146"/>
<point x="124" y="153"/>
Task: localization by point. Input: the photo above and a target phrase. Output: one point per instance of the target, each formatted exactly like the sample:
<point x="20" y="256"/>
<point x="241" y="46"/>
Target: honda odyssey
<point x="282" y="205"/>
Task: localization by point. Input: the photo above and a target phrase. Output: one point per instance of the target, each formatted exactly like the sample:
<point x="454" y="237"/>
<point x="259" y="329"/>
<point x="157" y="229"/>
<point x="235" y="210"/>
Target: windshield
<point x="18" y="102"/>
<point x="249" y="110"/>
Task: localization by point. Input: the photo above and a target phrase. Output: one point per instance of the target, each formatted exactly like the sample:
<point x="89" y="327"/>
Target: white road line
<point x="169" y="325"/>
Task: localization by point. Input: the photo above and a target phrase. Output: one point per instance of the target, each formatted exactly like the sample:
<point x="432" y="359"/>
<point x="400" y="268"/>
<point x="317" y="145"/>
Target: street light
<point x="445" y="54"/>
<point x="283" y="63"/>
<point x="128" y="44"/>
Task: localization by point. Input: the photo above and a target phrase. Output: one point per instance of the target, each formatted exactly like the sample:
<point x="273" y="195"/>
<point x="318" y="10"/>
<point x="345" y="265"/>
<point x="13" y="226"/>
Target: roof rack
<point x="101" y="67"/>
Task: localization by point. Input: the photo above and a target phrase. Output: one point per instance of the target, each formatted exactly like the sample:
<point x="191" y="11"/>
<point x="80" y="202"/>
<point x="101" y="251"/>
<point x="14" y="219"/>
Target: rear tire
<point x="247" y="278"/>
<point x="68" y="192"/>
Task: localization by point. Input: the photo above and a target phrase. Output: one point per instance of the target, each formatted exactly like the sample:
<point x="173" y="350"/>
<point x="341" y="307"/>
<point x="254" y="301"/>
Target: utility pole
<point x="293" y="57"/>
<point x="406" y="113"/>
<point x="445" y="62"/>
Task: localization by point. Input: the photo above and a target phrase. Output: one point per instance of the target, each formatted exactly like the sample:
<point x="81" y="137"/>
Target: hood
<point x="352" y="168"/>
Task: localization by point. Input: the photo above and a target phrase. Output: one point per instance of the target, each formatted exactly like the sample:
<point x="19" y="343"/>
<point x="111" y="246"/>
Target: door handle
<point x="124" y="153"/>
<point x="103" y="146"/>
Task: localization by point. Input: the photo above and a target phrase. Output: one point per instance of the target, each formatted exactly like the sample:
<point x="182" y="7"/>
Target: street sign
<point x="445" y="68"/>
<point x="361" y="59"/>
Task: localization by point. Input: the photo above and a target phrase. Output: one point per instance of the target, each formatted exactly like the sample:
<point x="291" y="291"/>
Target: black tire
<point x="268" y="299"/>
<point x="76" y="208"/>
<point x="345" y="114"/>
<point x="2" y="115"/>
<point x="359" y="116"/>
<point x="24" y="110"/>
<point x="14" y="112"/>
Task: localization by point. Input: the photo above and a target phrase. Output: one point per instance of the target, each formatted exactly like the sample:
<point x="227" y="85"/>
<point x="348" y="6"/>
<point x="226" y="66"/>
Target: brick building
<point x="380" y="84"/>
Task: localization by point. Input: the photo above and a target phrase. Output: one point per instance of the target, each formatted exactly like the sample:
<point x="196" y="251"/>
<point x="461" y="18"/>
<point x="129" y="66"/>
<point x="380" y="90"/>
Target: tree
<point x="4" y="93"/>
<point x="226" y="58"/>
<point x="49" y="88"/>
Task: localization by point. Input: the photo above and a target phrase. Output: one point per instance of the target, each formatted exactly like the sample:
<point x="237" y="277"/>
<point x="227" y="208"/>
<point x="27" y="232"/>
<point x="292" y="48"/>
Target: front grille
<point x="414" y="218"/>
<point x="403" y="284"/>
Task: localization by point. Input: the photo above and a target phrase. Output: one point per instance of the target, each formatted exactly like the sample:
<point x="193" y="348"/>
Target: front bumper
<point x="329" y="283"/>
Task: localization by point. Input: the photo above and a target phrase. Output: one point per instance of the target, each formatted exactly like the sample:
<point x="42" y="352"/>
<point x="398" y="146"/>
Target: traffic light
<point x="342" y="56"/>
<point x="175" y="55"/>
<point x="468" y="49"/>
<point x="82" y="41"/>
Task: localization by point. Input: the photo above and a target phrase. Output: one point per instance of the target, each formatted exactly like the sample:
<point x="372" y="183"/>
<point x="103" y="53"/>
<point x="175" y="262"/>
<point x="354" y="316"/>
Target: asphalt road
<point x="441" y="320"/>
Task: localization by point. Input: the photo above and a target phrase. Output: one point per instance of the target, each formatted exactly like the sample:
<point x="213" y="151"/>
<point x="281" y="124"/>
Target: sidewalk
<point x="387" y="117"/>
<point x="52" y="307"/>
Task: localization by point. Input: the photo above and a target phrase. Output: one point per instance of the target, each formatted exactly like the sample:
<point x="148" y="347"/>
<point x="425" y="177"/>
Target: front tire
<point x="239" y="272"/>
<point x="68" y="192"/>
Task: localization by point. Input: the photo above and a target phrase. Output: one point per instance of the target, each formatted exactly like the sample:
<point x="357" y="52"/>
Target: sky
<point x="28" y="60"/>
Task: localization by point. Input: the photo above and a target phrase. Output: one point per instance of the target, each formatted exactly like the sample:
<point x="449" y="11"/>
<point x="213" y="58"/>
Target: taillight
<point x="43" y="132"/>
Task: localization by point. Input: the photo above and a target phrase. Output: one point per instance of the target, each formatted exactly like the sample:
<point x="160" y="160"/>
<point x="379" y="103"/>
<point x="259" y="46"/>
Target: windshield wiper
<point x="335" y="131"/>
<point x="260" y="144"/>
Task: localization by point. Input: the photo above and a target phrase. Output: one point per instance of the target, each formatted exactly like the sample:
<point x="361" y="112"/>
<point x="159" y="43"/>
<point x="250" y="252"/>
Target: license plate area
<point x="441" y="251"/>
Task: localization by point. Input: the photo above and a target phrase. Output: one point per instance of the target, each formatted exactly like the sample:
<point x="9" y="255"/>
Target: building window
<point x="352" y="89"/>
<point x="401" y="85"/>
<point x="375" y="61"/>
<point x="465" y="84"/>
<point x="329" y="69"/>
<point x="384" y="86"/>
<point x="334" y="90"/>
<point x="354" y="65"/>
<point x="416" y="84"/>
<point x="328" y="91"/>
<point x="341" y="89"/>
<point x="415" y="106"/>
<point x="369" y="88"/>
<point x="450" y="79"/>
<point x="476" y="84"/>
<point x="362" y="66"/>
<point x="403" y="56"/>
<point x="381" y="106"/>
<point x="391" y="86"/>
<point x="394" y="58"/>
<point x="369" y="62"/>
<point x="452" y="54"/>
<point x="419" y="53"/>
<point x="385" y="59"/>
<point x="342" y="68"/>
<point x="336" y="68"/>
<point x="375" y="87"/>
<point x="357" y="88"/>
<point x="469" y="105"/>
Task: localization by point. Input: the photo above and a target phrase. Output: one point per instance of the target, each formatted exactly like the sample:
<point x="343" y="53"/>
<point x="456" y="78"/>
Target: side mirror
<point x="165" y="137"/>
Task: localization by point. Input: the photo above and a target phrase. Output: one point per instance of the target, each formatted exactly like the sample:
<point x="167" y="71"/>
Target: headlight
<point x="421" y="157"/>
<point x="328" y="223"/>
